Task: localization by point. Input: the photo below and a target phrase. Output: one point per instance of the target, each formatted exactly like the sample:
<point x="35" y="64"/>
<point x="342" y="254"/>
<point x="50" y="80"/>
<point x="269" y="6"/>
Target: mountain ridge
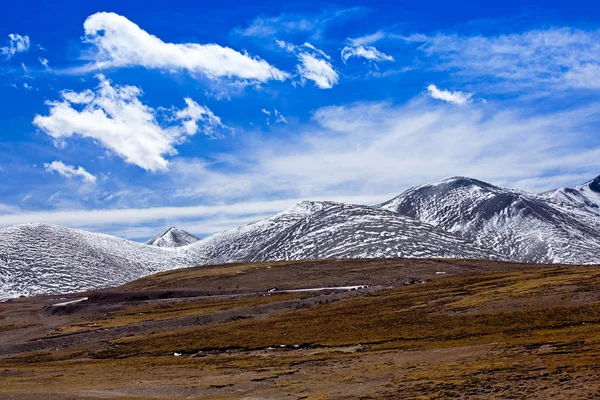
<point x="458" y="217"/>
<point x="519" y="225"/>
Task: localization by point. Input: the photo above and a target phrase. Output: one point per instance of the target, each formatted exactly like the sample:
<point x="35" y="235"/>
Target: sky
<point x="129" y="117"/>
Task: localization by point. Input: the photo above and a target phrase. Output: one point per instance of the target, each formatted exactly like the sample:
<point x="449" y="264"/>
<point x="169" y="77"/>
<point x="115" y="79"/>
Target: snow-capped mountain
<point x="333" y="230"/>
<point x="518" y="225"/>
<point x="41" y="258"/>
<point x="457" y="217"/>
<point x="172" y="237"/>
<point x="585" y="196"/>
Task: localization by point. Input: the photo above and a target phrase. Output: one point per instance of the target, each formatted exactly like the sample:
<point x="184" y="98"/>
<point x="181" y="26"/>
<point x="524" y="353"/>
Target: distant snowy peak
<point x="343" y="230"/>
<point x="172" y="237"/>
<point x="586" y="196"/>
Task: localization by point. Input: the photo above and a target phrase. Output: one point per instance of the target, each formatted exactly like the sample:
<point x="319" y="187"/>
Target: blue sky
<point x="126" y="117"/>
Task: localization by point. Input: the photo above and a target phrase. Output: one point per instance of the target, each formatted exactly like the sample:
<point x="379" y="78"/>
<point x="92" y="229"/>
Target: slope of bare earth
<point x="402" y="328"/>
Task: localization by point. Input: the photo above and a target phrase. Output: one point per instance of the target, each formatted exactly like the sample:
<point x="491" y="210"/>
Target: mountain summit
<point x="586" y="195"/>
<point x="521" y="226"/>
<point x="172" y="237"/>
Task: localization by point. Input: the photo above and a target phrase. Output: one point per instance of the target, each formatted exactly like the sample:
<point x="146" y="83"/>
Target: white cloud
<point x="199" y="118"/>
<point x="69" y="171"/>
<point x="315" y="50"/>
<point x="116" y="118"/>
<point x="541" y="59"/>
<point x="16" y="44"/>
<point x="363" y="51"/>
<point x="317" y="70"/>
<point x="293" y="23"/>
<point x="314" y="64"/>
<point x="228" y="215"/>
<point x="279" y="118"/>
<point x="460" y="98"/>
<point x="122" y="43"/>
<point x="371" y="38"/>
<point x="378" y="148"/>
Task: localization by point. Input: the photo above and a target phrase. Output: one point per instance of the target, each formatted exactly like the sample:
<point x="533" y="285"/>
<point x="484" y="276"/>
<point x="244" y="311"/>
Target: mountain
<point x="333" y="230"/>
<point x="518" y="225"/>
<point x="586" y="196"/>
<point x="172" y="237"/>
<point x="457" y="217"/>
<point x="41" y="258"/>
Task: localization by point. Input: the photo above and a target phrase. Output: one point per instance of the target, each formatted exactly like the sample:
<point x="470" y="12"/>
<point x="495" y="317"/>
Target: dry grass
<point x="169" y="310"/>
<point x="414" y="316"/>
<point x="506" y="334"/>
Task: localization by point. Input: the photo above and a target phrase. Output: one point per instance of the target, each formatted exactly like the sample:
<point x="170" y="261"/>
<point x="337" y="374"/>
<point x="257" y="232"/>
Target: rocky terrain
<point x="335" y="329"/>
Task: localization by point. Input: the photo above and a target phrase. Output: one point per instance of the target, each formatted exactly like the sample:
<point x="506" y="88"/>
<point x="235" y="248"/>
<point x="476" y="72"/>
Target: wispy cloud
<point x="374" y="148"/>
<point x="362" y="153"/>
<point x="115" y="117"/>
<point x="69" y="171"/>
<point x="456" y="97"/>
<point x="310" y="25"/>
<point x="556" y="58"/>
<point x="16" y="44"/>
<point x="122" y="43"/>
<point x="279" y="118"/>
<point x="314" y="64"/>
<point x="369" y="53"/>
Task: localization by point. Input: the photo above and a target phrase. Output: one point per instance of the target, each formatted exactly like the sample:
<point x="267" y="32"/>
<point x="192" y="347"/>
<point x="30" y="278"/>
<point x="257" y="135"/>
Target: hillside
<point x="518" y="225"/>
<point x="39" y="258"/>
<point x="409" y="328"/>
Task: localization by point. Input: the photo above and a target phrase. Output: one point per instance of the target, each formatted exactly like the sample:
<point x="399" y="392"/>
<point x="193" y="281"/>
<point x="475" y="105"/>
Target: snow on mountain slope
<point x="518" y="225"/>
<point x="586" y="196"/>
<point x="457" y="217"/>
<point x="172" y="237"/>
<point x="241" y="243"/>
<point x="329" y="229"/>
<point x="40" y="258"/>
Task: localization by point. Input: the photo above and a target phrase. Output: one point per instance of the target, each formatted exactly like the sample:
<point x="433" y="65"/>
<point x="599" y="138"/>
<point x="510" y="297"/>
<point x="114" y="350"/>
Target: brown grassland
<point x="423" y="329"/>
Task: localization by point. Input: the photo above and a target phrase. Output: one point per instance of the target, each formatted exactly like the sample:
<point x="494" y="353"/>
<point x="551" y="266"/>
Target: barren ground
<point x="420" y="329"/>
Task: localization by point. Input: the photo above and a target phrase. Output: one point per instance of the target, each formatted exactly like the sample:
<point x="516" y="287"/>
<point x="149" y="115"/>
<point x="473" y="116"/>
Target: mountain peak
<point x="464" y="181"/>
<point x="594" y="184"/>
<point x="172" y="237"/>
